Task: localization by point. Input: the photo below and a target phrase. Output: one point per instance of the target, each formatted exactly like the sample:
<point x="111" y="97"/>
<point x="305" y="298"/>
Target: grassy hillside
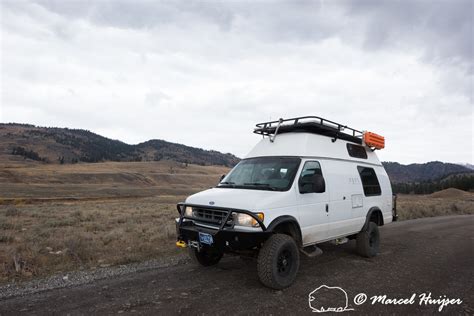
<point x="104" y="180"/>
<point x="28" y="144"/>
<point x="63" y="145"/>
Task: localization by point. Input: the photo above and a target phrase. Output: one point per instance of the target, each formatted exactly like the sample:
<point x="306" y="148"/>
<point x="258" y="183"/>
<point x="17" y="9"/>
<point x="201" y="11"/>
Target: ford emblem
<point x="211" y="203"/>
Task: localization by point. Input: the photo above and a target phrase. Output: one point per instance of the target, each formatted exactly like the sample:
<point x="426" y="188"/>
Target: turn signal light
<point x="260" y="216"/>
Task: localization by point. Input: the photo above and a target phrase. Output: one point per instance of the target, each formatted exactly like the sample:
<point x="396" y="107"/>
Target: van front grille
<point x="209" y="215"/>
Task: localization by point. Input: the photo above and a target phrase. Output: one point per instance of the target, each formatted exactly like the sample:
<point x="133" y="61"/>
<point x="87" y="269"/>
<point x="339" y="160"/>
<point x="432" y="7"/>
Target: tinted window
<point x="310" y="168"/>
<point x="356" y="151"/>
<point x="370" y="183"/>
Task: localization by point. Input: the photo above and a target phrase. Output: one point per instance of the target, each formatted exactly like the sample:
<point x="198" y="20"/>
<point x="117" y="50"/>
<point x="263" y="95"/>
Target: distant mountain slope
<point x="56" y="145"/>
<point x="64" y="145"/>
<point x="433" y="170"/>
<point x="157" y="149"/>
<point x="467" y="165"/>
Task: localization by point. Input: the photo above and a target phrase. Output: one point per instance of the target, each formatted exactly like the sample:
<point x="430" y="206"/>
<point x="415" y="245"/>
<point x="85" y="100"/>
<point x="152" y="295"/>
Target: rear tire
<point x="368" y="241"/>
<point x="278" y="262"/>
<point x="206" y="257"/>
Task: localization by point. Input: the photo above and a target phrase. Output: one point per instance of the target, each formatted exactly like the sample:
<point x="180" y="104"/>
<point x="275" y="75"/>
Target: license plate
<point x="205" y="238"/>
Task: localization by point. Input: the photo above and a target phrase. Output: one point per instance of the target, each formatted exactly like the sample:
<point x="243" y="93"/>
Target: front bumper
<point x="225" y="237"/>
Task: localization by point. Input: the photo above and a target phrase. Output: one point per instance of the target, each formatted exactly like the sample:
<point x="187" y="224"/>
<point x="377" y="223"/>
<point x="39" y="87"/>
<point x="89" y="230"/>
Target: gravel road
<point x="431" y="257"/>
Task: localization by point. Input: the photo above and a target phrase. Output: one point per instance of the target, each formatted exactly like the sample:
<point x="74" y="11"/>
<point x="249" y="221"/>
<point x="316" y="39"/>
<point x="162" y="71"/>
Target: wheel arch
<point x="373" y="215"/>
<point x="288" y="225"/>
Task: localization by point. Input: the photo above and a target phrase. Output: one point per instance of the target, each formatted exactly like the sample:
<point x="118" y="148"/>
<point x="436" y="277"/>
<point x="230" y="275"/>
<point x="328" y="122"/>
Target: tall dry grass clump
<point x="443" y="203"/>
<point x="57" y="237"/>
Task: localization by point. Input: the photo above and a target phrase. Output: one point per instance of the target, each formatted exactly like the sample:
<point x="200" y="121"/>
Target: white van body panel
<point x="344" y="186"/>
<point x="340" y="211"/>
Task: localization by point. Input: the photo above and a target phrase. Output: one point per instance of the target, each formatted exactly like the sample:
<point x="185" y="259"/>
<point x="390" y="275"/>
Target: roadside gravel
<point x="75" y="278"/>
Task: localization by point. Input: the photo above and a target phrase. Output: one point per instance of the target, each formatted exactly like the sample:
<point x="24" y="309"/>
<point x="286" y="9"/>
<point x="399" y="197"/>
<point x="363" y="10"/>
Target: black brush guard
<point x="225" y="237"/>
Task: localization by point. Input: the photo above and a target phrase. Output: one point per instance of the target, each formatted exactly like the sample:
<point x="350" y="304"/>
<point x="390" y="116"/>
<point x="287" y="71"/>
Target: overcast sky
<point x="203" y="73"/>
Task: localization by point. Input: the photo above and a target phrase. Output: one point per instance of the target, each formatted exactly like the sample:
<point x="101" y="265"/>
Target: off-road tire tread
<point x="362" y="243"/>
<point x="265" y="260"/>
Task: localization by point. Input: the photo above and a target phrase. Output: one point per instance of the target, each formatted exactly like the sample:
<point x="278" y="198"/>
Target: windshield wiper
<point x="226" y="184"/>
<point x="256" y="184"/>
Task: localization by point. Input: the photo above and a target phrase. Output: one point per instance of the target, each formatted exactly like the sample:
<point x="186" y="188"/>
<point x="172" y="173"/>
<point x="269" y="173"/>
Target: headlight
<point x="188" y="211"/>
<point x="241" y="219"/>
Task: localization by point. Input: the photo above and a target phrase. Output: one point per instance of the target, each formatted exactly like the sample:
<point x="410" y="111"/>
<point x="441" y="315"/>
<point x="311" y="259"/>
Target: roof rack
<point x="309" y="124"/>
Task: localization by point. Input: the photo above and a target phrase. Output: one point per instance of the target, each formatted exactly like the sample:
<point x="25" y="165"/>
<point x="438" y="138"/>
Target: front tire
<point x="278" y="262"/>
<point x="206" y="257"/>
<point x="368" y="241"/>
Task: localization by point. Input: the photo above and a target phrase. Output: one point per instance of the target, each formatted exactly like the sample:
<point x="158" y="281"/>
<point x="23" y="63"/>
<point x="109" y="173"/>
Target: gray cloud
<point x="132" y="69"/>
<point x="442" y="29"/>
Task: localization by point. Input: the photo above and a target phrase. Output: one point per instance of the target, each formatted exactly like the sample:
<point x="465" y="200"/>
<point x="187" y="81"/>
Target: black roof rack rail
<point x="309" y="124"/>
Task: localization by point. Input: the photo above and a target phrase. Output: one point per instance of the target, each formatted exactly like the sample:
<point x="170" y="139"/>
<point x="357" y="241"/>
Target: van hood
<point x="244" y="199"/>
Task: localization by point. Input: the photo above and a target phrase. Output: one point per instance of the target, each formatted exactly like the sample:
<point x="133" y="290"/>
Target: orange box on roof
<point x="374" y="140"/>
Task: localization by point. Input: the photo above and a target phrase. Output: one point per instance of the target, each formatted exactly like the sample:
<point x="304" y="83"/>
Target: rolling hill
<point x="64" y="145"/>
<point x="434" y="170"/>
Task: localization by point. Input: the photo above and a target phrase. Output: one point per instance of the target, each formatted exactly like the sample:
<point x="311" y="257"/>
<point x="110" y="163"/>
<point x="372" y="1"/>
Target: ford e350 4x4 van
<point x="308" y="181"/>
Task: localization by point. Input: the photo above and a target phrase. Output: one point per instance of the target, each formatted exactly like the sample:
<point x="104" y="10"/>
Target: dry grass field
<point x="63" y="217"/>
<point x="446" y="202"/>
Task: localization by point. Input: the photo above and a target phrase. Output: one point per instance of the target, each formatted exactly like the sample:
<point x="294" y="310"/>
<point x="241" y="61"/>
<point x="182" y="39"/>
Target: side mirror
<point x="222" y="178"/>
<point x="312" y="184"/>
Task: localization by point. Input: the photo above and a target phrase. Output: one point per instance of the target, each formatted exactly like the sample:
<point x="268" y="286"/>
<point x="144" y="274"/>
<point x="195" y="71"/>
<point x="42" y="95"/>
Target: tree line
<point x="30" y="154"/>
<point x="461" y="182"/>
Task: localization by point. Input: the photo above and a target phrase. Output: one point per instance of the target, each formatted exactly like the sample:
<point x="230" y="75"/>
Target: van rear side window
<point x="356" y="151"/>
<point x="370" y="183"/>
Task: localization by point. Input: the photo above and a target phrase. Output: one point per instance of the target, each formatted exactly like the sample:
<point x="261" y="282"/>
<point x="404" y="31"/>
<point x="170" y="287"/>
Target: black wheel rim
<point x="284" y="262"/>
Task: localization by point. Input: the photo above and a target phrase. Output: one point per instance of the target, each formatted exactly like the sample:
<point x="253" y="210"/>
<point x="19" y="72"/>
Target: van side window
<point x="311" y="178"/>
<point x="356" y="151"/>
<point x="370" y="183"/>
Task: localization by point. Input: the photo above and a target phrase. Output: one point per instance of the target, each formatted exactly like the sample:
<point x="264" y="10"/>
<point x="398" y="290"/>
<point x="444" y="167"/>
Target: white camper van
<point x="308" y="181"/>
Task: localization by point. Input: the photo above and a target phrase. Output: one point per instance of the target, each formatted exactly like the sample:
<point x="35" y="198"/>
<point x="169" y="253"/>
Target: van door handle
<point x="327" y="208"/>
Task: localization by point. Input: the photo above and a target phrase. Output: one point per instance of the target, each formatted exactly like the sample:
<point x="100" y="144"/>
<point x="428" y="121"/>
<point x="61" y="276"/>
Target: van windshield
<point x="262" y="173"/>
